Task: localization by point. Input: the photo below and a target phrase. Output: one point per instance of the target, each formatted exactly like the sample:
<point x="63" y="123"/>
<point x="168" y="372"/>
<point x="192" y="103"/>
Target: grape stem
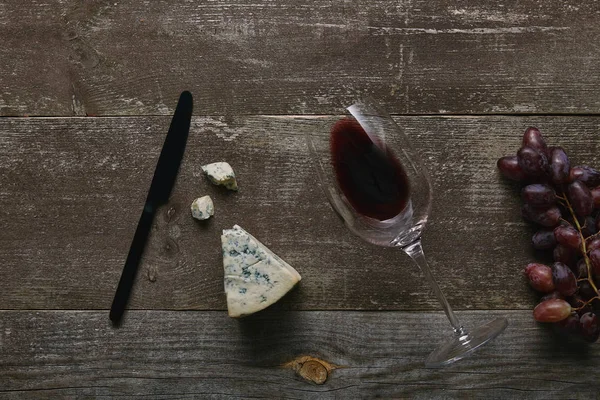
<point x="586" y="303"/>
<point x="564" y="220"/>
<point x="583" y="244"/>
<point x="593" y="236"/>
<point x="584" y="225"/>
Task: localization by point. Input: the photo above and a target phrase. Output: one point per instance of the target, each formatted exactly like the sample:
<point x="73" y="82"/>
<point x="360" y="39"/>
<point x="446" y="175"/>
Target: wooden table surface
<point x="87" y="90"/>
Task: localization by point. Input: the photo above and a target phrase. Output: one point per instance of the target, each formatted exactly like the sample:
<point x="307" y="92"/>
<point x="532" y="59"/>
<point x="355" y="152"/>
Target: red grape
<point x="586" y="291"/>
<point x="590" y="329"/>
<point x="568" y="236"/>
<point x="581" y="199"/>
<point x="548" y="218"/>
<point x="580" y="270"/>
<point x="539" y="195"/>
<point x="564" y="279"/>
<point x="588" y="175"/>
<point x="553" y="310"/>
<point x="540" y="277"/>
<point x="565" y="255"/>
<point x="533" y="138"/>
<point x="559" y="166"/>
<point x="589" y="226"/>
<point x="509" y="167"/>
<point x="596" y="305"/>
<point x="594" y="257"/>
<point x="569" y="325"/>
<point x="543" y="240"/>
<point x="596" y="196"/>
<point x="533" y="162"/>
<point x="593" y="244"/>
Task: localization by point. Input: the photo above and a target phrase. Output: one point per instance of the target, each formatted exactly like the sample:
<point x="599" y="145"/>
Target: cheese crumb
<point x="203" y="208"/>
<point x="221" y="173"/>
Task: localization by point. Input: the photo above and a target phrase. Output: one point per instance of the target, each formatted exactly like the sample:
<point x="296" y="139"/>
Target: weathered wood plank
<point x="206" y="354"/>
<point x="36" y="71"/>
<point x="71" y="191"/>
<point x="296" y="57"/>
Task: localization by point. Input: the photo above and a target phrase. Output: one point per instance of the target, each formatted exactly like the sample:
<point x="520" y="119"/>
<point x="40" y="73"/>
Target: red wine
<point x="368" y="173"/>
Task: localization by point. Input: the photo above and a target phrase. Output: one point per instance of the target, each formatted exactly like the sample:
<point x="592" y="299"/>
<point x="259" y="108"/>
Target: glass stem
<point x="415" y="251"/>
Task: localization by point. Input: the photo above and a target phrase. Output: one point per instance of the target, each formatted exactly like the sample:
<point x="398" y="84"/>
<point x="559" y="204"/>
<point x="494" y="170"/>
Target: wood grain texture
<point x="71" y="191"/>
<point x="208" y="355"/>
<point x="297" y="57"/>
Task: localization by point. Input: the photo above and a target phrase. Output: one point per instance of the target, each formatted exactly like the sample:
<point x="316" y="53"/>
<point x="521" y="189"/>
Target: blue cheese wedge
<point x="221" y="173"/>
<point x="255" y="277"/>
<point x="203" y="208"/>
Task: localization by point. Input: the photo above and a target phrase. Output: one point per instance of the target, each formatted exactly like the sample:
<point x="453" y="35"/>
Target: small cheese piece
<point x="255" y="277"/>
<point x="221" y="173"/>
<point x="203" y="208"/>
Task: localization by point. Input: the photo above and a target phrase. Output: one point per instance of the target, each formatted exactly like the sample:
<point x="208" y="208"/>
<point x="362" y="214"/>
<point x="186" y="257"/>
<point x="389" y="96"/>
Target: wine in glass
<point x="377" y="184"/>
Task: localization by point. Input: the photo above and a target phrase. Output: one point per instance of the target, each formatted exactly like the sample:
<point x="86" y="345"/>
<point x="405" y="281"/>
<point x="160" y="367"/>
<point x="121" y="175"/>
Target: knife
<point x="160" y="189"/>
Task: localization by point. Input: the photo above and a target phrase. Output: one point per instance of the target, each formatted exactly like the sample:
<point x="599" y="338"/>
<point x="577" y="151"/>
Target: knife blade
<point x="163" y="180"/>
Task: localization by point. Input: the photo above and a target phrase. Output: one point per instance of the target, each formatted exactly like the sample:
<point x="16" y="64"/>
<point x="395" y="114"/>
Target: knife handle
<point x="131" y="264"/>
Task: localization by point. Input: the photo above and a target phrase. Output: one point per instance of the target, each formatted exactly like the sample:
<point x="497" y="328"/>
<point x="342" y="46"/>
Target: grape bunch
<point x="564" y="202"/>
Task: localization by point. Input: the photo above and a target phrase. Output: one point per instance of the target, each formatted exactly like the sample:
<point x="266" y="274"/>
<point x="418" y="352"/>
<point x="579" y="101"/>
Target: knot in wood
<point x="311" y="369"/>
<point x="314" y="371"/>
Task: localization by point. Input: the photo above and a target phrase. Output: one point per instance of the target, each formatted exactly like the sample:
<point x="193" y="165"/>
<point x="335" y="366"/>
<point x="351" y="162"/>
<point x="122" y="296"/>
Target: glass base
<point x="464" y="343"/>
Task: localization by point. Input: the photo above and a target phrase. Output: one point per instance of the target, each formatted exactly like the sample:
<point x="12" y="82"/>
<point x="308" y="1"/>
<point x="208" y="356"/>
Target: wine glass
<point x="377" y="184"/>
